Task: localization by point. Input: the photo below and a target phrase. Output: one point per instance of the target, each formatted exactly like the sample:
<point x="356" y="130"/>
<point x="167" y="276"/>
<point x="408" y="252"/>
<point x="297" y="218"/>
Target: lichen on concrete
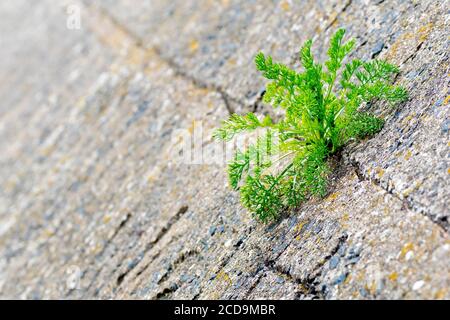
<point x="93" y="205"/>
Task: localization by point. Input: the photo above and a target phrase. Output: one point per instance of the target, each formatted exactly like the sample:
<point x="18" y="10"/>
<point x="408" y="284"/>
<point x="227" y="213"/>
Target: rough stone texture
<point x="95" y="202"/>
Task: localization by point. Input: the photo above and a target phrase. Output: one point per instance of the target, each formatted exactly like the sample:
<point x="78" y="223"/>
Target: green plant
<point x="321" y="114"/>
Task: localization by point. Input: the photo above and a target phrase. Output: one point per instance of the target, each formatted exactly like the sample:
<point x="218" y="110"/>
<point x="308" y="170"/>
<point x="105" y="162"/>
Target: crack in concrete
<point x="306" y="286"/>
<point x="122" y="224"/>
<point x="108" y="242"/>
<point x="173" y="266"/>
<point x="151" y="244"/>
<point x="177" y="69"/>
<point x="166" y="292"/>
<point x="311" y="283"/>
<point x="179" y="260"/>
<point x="406" y="201"/>
<point x="169" y="225"/>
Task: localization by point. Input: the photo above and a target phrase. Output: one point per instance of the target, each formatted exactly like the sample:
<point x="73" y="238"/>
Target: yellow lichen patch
<point x="408" y="119"/>
<point x="48" y="233"/>
<point x="424" y="31"/>
<point x="96" y="248"/>
<point x="47" y="151"/>
<point x="360" y="277"/>
<point x="407" y="192"/>
<point x="345" y="216"/>
<point x="401" y="40"/>
<point x="301" y="287"/>
<point x="194" y="92"/>
<point x="115" y="38"/>
<point x="448" y="170"/>
<point x="223" y="276"/>
<point x="371" y="288"/>
<point x="232" y="61"/>
<point x="333" y="196"/>
<point x="298" y="228"/>
<point x="393" y="276"/>
<point x="106" y="218"/>
<point x="406" y="248"/>
<point x="193" y="45"/>
<point x="379" y="172"/>
<point x="344" y="219"/>
<point x="408" y="155"/>
<point x="191" y="128"/>
<point x="137" y="56"/>
<point x="440" y="294"/>
<point x="347" y="280"/>
<point x="446" y="100"/>
<point x="285" y="6"/>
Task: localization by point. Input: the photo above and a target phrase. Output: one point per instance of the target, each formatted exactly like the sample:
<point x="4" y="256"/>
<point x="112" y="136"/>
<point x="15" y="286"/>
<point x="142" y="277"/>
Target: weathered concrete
<point x="93" y="203"/>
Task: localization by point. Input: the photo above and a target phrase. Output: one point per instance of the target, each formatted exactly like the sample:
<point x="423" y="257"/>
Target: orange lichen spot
<point x="393" y="276"/>
<point x="193" y="45"/>
<point x="285" y="6"/>
<point x="446" y="100"/>
<point x="408" y="155"/>
<point x="232" y="61"/>
<point x="440" y="294"/>
<point x="406" y="248"/>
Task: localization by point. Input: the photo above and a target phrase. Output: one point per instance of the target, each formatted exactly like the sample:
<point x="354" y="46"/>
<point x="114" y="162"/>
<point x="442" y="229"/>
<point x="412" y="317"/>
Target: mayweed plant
<point x="321" y="114"/>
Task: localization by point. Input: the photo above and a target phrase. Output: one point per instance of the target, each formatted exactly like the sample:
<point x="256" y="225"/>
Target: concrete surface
<point x="95" y="202"/>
